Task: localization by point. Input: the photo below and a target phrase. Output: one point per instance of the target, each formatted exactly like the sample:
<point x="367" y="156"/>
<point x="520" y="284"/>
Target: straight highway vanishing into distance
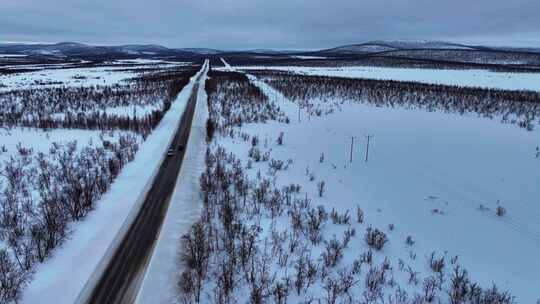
<point x="120" y="281"/>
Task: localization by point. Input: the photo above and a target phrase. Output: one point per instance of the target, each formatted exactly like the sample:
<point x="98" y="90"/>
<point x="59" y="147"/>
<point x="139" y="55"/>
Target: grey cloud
<point x="258" y="23"/>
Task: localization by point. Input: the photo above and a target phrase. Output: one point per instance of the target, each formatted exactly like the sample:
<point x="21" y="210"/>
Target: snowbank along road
<point x="122" y="277"/>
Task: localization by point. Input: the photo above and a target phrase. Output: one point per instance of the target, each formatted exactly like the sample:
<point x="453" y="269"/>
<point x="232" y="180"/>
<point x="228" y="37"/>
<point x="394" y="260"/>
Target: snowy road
<point x="123" y="275"/>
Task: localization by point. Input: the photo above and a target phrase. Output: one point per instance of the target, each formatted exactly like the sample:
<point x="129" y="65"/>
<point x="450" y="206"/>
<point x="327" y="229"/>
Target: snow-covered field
<point x="40" y="141"/>
<point x="428" y="173"/>
<point x="86" y="77"/>
<point x="468" y="78"/>
<point x="437" y="177"/>
<point x="11" y="55"/>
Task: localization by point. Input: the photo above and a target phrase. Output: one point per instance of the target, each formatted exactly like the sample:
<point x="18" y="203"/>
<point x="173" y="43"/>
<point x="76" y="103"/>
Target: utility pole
<point x="367" y="147"/>
<point x="298" y="111"/>
<point x="352" y="144"/>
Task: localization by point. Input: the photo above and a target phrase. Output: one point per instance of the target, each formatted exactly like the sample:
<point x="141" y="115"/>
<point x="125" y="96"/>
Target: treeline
<point x="96" y="120"/>
<point x="85" y="107"/>
<point x="233" y="101"/>
<point x="516" y="107"/>
<point x="43" y="193"/>
<point x="391" y="60"/>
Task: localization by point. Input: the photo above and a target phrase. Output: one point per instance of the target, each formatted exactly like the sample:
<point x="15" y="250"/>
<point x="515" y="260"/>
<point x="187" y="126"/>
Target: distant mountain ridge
<point x="74" y="49"/>
<point x="64" y="49"/>
<point x="403" y="45"/>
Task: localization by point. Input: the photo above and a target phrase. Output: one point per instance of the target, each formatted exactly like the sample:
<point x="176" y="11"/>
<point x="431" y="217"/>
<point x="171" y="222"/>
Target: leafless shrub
<point x="315" y="221"/>
<point x="333" y="252"/>
<point x="413" y="276"/>
<point x="347" y="235"/>
<point x="436" y="264"/>
<point x="276" y="165"/>
<point x="255" y="153"/>
<point x="494" y="295"/>
<point x="254" y="141"/>
<point x="375" y="238"/>
<point x="459" y="286"/>
<point x="400" y="297"/>
<point x="320" y="188"/>
<point x="12" y="278"/>
<point x="195" y="255"/>
<point x="500" y="211"/>
<point x="359" y="214"/>
<point x="367" y="257"/>
<point x="261" y="279"/>
<point x="333" y="290"/>
<point x="374" y="282"/>
<point x="280" y="139"/>
<point x="340" y="219"/>
<point x="430" y="288"/>
<point x="280" y="291"/>
<point x="409" y="241"/>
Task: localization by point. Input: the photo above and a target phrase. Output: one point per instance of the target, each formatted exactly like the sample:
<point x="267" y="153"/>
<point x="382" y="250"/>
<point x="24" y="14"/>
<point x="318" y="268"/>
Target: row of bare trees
<point x="517" y="107"/>
<point x="233" y="101"/>
<point x="86" y="107"/>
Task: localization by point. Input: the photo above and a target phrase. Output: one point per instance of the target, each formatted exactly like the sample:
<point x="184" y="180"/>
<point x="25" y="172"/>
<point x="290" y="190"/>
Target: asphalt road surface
<point x="123" y="275"/>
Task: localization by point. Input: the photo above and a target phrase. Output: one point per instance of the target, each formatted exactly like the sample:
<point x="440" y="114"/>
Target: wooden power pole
<point x="367" y="146"/>
<point x="352" y="144"/>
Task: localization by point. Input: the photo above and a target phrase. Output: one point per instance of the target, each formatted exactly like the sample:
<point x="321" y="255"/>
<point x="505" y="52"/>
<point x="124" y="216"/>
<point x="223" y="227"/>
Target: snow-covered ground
<point x="467" y="78"/>
<point x="11" y="55"/>
<point x="161" y="278"/>
<point x="40" y="141"/>
<point x="307" y="57"/>
<point x="76" y="265"/>
<point x="55" y="75"/>
<point x="149" y="61"/>
<point x="437" y="177"/>
<point x="428" y="173"/>
<point x="64" y="77"/>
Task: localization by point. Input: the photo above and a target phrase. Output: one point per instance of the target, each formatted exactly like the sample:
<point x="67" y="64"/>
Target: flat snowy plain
<point x="59" y="75"/>
<point x="428" y="173"/>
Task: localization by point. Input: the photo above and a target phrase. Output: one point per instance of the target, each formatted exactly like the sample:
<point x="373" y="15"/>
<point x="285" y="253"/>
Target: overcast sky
<point x="233" y="24"/>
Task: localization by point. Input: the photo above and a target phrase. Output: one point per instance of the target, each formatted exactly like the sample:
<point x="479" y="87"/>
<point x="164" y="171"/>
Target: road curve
<point x="123" y="275"/>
